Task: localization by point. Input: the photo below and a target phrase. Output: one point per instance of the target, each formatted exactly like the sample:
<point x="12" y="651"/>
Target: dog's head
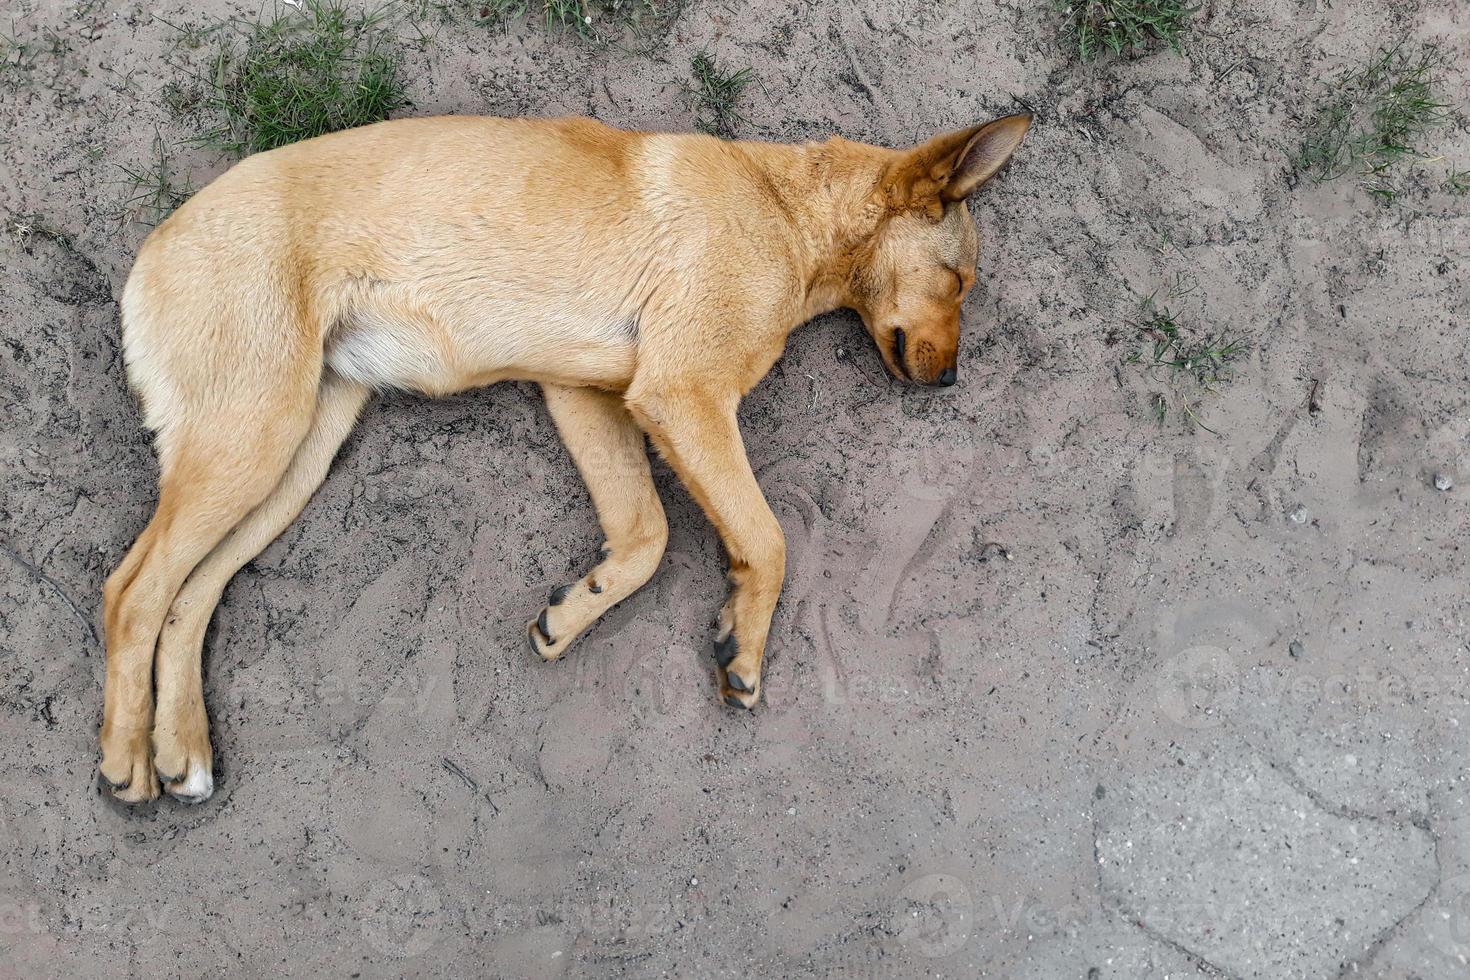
<point x="911" y="274"/>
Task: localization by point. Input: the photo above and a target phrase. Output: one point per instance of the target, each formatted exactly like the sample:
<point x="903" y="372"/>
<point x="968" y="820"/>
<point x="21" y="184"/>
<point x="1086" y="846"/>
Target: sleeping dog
<point x="646" y="281"/>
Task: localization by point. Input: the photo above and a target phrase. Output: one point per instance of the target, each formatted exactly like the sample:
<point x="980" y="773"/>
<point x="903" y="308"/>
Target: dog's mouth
<point x="900" y="347"/>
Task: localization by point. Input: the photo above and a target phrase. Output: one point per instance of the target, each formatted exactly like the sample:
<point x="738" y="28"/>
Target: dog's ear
<point x="985" y="152"/>
<point x="951" y="165"/>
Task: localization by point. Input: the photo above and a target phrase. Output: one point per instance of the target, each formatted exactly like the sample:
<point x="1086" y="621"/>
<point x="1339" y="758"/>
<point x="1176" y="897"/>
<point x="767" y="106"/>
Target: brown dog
<point x="646" y="280"/>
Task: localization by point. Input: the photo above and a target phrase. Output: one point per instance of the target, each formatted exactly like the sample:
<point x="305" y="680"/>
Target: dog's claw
<point x="538" y="641"/>
<point x="559" y="594"/>
<point x="726" y="650"/>
<point x="735" y="702"/>
<point x="545" y="629"/>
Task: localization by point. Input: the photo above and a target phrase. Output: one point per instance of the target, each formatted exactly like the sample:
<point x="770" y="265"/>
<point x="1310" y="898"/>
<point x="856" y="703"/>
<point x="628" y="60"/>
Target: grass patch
<point x="156" y="190"/>
<point x="1122" y="26"/>
<point x="1187" y="368"/>
<point x="190" y="36"/>
<point x="20" y="59"/>
<point x="1374" y="120"/>
<point x="303" y="72"/>
<point x="714" y="94"/>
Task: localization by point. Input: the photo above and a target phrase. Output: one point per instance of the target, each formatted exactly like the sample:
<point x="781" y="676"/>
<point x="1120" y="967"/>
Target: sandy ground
<point x="1207" y="719"/>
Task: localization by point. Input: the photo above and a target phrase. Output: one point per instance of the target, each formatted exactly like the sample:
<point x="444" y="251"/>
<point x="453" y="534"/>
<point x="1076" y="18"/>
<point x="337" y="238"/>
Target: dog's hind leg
<point x="229" y="410"/>
<point x="609" y="451"/>
<point x="215" y="472"/>
<point x="699" y="436"/>
<point x="181" y="749"/>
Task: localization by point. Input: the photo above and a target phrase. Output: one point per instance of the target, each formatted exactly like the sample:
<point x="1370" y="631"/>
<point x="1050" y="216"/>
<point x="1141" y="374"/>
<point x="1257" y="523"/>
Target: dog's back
<point x="437" y="254"/>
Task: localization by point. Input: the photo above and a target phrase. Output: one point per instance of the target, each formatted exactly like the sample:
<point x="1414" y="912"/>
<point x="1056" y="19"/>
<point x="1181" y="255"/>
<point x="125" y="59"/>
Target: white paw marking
<point x="197" y="787"/>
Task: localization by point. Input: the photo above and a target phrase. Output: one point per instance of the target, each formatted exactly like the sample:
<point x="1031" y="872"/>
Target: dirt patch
<point x="1003" y="599"/>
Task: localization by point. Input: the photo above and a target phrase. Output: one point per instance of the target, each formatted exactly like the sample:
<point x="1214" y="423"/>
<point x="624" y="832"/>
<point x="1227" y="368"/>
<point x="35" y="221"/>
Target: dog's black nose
<point x="948" y="377"/>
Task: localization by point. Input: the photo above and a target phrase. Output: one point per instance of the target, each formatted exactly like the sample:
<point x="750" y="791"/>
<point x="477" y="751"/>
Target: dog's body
<point x="647" y="281"/>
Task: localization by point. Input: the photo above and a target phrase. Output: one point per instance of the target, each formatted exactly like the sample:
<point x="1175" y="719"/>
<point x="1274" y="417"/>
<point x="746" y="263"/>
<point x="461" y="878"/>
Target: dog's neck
<point x="829" y="192"/>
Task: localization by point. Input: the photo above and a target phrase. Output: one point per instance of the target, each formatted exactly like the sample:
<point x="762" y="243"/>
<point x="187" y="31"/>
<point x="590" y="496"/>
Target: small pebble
<point x="1299" y="515"/>
<point x="1443" y="482"/>
<point x="994" y="549"/>
<point x="1296" y="649"/>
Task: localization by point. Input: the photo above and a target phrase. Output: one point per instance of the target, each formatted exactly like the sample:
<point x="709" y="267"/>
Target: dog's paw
<point x="127" y="766"/>
<point x="740" y="676"/>
<point x="559" y="624"/>
<point x="196" y="785"/>
<point x="540" y="634"/>
<point x="184" y="762"/>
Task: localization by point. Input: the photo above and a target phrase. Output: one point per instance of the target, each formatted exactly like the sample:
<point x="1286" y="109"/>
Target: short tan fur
<point x="647" y="281"/>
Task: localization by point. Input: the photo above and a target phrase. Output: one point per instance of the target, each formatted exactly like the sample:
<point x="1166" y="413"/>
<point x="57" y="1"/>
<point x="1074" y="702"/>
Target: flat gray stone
<point x="1233" y="862"/>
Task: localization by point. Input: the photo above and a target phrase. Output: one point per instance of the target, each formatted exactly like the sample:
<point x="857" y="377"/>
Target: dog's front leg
<point x="609" y="451"/>
<point x="700" y="438"/>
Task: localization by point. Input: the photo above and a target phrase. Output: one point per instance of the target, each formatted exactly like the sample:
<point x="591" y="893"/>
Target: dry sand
<point x="1098" y="757"/>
